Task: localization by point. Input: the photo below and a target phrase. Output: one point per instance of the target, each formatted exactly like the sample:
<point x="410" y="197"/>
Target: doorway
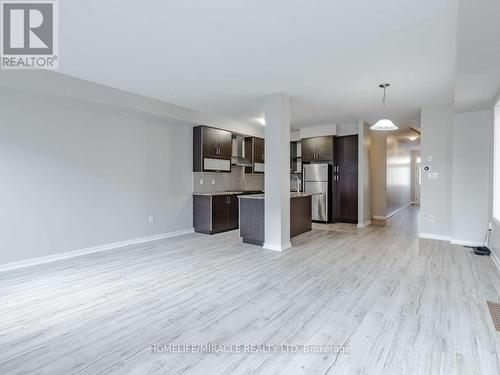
<point x="418" y="181"/>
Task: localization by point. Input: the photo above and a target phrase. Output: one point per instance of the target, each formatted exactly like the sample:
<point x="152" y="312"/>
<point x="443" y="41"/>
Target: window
<point x="496" y="165"/>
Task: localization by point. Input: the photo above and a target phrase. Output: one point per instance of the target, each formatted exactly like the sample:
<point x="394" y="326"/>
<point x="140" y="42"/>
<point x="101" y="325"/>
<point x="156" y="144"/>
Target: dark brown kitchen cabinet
<point x="212" y="149"/>
<point x="308" y="149"/>
<point x="317" y="149"/>
<point x="215" y="213"/>
<point x="209" y="141"/>
<point x="258" y="150"/>
<point x="255" y="154"/>
<point x="295" y="158"/>
<point x="346" y="179"/>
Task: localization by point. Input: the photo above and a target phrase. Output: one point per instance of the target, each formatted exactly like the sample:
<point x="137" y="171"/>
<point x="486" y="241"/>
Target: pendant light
<point x="384" y="124"/>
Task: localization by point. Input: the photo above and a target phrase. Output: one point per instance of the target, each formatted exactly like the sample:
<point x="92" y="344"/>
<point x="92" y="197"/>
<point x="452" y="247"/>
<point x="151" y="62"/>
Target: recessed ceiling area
<point x="225" y="56"/>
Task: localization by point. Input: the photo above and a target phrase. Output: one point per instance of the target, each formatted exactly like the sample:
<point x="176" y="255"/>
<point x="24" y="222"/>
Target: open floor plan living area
<point x="250" y="187"/>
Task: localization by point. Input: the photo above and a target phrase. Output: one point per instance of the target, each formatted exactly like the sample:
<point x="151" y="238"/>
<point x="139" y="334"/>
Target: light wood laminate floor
<point x="402" y="305"/>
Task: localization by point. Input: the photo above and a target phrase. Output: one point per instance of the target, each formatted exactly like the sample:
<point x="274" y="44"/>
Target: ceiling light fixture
<point x="384" y="124"/>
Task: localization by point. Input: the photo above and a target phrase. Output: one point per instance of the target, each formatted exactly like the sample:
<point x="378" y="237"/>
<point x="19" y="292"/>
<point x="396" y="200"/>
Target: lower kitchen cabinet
<point x="215" y="213"/>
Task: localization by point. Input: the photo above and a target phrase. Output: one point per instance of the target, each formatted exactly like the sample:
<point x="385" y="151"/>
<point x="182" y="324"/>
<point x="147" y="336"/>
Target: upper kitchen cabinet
<point x="317" y="149"/>
<point x="212" y="149"/>
<point x="254" y="153"/>
<point x="216" y="142"/>
<point x="308" y="149"/>
<point x="258" y="150"/>
<point x="295" y="157"/>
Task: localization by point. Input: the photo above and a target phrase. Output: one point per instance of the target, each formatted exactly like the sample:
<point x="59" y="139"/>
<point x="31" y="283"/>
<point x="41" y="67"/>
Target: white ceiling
<point x="224" y="56"/>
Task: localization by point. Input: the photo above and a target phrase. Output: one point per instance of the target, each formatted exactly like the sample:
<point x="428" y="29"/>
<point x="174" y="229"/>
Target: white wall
<point x="436" y="142"/>
<point x="495" y="235"/>
<point x="318" y="131"/>
<point x="459" y="201"/>
<point x="470" y="204"/>
<point x="295" y="135"/>
<point x="378" y="174"/>
<point x="364" y="148"/>
<point x="277" y="173"/>
<point x="46" y="82"/>
<point x="347" y="129"/>
<point x="414" y="155"/>
<point x="75" y="175"/>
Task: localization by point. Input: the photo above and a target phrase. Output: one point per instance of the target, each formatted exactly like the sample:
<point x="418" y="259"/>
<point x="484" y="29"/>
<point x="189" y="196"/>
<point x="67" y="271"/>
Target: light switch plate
<point x="429" y="158"/>
<point x="201" y="181"/>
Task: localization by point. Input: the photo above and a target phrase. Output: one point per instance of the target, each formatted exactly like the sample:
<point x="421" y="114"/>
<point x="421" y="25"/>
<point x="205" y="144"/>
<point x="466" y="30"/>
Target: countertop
<point x="227" y="193"/>
<point x="220" y="193"/>
<point x="261" y="196"/>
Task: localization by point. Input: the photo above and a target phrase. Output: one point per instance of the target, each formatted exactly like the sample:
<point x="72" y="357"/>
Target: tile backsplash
<point x="237" y="180"/>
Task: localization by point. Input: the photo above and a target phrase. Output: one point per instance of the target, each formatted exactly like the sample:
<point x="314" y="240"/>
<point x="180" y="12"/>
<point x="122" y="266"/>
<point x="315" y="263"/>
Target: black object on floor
<point x="482" y="250"/>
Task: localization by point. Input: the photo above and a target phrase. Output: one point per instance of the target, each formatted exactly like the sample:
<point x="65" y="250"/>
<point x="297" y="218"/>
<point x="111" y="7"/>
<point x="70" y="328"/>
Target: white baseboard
<point x="279" y="247"/>
<point x="379" y="217"/>
<point x="398" y="210"/>
<point x="495" y="260"/>
<point x="455" y="241"/>
<point x="434" y="237"/>
<point x="90" y="250"/>
<point x="365" y="224"/>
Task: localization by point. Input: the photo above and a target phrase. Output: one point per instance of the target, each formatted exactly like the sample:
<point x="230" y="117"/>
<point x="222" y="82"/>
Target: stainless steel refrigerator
<point x="316" y="180"/>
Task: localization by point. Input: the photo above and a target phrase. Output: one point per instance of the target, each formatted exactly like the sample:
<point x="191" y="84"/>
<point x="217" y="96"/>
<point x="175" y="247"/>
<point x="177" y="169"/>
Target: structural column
<point x="277" y="172"/>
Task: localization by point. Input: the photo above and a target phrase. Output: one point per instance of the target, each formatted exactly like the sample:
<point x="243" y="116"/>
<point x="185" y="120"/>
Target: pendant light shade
<point x="384" y="124"/>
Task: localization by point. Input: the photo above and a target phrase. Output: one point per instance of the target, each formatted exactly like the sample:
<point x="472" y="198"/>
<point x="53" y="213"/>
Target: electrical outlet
<point x="151" y="218"/>
<point x="201" y="181"/>
<point x="429" y="158"/>
<point x="213" y="182"/>
<point x="430" y="218"/>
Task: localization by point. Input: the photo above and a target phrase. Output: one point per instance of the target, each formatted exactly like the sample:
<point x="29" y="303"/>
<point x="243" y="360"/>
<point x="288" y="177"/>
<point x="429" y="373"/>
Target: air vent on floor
<point x="495" y="313"/>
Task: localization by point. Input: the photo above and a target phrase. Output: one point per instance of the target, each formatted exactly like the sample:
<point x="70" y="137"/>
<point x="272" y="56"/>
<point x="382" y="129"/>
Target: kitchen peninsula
<point x="252" y="216"/>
